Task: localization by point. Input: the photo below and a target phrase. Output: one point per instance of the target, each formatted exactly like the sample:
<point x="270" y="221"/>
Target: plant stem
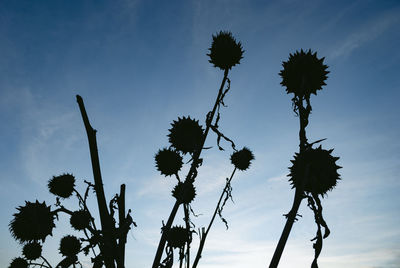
<point x="121" y="222"/>
<point x="187" y="222"/>
<point x="107" y="225"/>
<point x="291" y="216"/>
<point x="298" y="197"/>
<point x="204" y="235"/>
<point x="44" y="259"/>
<point x="189" y="177"/>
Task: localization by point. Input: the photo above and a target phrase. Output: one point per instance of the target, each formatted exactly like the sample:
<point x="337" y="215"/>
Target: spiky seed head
<point x="322" y="170"/>
<point x="70" y="246"/>
<point x="186" y="135"/>
<point x="303" y="73"/>
<point x="32" y="250"/>
<point x="168" y="161"/>
<point x="225" y="52"/>
<point x="184" y="192"/>
<point x="32" y="222"/>
<point x="177" y="237"/>
<point x="62" y="185"/>
<point x="18" y="263"/>
<point x="80" y="219"/>
<point x="242" y="159"/>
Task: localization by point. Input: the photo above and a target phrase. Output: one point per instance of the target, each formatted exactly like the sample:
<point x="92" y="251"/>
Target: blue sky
<point x="141" y="64"/>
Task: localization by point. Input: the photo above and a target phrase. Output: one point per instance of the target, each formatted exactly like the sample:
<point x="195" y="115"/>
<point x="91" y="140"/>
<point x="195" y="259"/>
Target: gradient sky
<point x="141" y="64"/>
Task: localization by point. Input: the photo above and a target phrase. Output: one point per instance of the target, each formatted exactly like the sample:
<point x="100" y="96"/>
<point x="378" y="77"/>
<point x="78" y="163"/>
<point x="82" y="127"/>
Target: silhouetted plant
<point x="35" y="221"/>
<point x="187" y="137"/>
<point x="314" y="170"/>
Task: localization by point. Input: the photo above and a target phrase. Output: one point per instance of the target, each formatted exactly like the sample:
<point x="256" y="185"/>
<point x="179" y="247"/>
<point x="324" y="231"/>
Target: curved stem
<point x="44" y="259"/>
<point x="204" y="235"/>
<point x="190" y="176"/>
<point x="62" y="209"/>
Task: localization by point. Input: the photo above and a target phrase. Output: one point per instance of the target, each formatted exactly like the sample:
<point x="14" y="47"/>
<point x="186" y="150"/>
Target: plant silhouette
<point x="314" y="171"/>
<point x="35" y="221"/>
<point x="187" y="138"/>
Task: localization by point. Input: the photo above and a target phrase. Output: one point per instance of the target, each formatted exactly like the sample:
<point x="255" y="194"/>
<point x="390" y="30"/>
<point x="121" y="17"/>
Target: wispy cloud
<point x="366" y="33"/>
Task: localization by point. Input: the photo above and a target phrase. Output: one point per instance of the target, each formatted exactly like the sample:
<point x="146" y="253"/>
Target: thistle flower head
<point x="303" y="73"/>
<point x="32" y="250"/>
<point x="184" y="192"/>
<point x="186" y="135"/>
<point x="225" y="52"/>
<point x="18" y="263"/>
<point x="32" y="222"/>
<point x="70" y="246"/>
<point x="62" y="185"/>
<point x="168" y="161"/>
<point x="177" y="237"/>
<point x="80" y="219"/>
<point x="242" y="159"/>
<point x="320" y="168"/>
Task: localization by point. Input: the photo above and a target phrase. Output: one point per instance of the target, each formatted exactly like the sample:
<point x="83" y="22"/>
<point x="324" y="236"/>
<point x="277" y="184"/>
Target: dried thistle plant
<point x="187" y="138"/>
<point x="314" y="171"/>
<point x="35" y="221"/>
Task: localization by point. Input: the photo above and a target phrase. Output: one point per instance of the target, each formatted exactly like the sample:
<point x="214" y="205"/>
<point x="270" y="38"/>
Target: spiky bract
<point x="177" y="237"/>
<point x="242" y="159"/>
<point x="168" y="161"/>
<point x="186" y="135"/>
<point x="70" y="246"/>
<point x="32" y="250"/>
<point x="62" y="186"/>
<point x="321" y="168"/>
<point x="303" y="73"/>
<point x="33" y="222"/>
<point x="184" y="192"/>
<point x="225" y="52"/>
<point x="18" y="263"/>
<point x="80" y="219"/>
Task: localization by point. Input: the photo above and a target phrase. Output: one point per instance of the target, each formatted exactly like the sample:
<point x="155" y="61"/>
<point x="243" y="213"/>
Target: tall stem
<point x="109" y="245"/>
<point x="204" y="234"/>
<point x="189" y="177"/>
<point x="298" y="197"/>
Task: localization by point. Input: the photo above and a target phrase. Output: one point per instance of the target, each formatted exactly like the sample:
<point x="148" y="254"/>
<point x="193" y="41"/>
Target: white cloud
<point x="368" y="32"/>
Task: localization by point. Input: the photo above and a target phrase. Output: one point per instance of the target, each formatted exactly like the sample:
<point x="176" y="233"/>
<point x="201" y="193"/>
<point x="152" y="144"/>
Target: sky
<point x="139" y="65"/>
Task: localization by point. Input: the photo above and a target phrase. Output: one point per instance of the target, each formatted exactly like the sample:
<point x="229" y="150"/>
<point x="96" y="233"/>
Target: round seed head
<point x="321" y="168"/>
<point x="303" y="73"/>
<point x="80" y="219"/>
<point x="186" y="135"/>
<point x="177" y="237"/>
<point x="242" y="159"/>
<point x="18" y="263"/>
<point x="168" y="161"/>
<point x="62" y="185"/>
<point x="225" y="52"/>
<point x="32" y="222"/>
<point x="184" y="192"/>
<point x="32" y="250"/>
<point x="70" y="246"/>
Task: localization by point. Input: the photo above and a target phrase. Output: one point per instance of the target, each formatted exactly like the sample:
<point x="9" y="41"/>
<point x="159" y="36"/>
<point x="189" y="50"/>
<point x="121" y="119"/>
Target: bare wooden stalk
<point x="107" y="225"/>
<point x="204" y="234"/>
<point x="189" y="177"/>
